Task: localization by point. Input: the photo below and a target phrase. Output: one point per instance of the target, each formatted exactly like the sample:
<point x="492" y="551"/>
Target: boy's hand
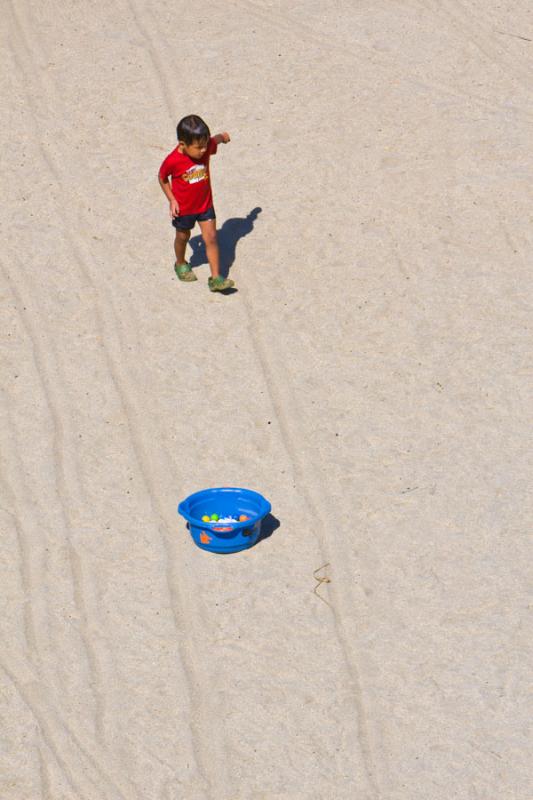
<point x="174" y="208"/>
<point x="222" y="138"/>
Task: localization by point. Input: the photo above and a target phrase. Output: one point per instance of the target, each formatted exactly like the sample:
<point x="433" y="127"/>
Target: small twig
<point x="515" y="36"/>
<point x="320" y="580"/>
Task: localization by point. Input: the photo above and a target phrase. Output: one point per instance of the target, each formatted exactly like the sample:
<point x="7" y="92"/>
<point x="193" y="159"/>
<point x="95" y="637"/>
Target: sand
<point x="370" y="377"/>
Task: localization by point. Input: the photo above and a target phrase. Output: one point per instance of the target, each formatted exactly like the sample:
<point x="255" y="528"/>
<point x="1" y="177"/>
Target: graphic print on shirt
<point x="195" y="174"/>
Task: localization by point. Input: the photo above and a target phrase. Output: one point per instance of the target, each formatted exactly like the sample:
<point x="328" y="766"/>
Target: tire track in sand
<point x="472" y="29"/>
<point x="33" y="552"/>
<point x="184" y="610"/>
<point x="31" y="555"/>
<point x="379" y="61"/>
<point x="61" y="740"/>
<point x="51" y="379"/>
<point x="294" y="442"/>
<point x="312" y="489"/>
<point x="52" y="384"/>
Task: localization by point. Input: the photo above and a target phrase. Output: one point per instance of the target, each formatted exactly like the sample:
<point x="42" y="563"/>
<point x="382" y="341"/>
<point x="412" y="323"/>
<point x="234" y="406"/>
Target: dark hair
<point x="191" y="129"/>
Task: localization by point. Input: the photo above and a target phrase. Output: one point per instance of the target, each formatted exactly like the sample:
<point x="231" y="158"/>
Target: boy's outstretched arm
<point x="173" y="203"/>
<point x="222" y="138"/>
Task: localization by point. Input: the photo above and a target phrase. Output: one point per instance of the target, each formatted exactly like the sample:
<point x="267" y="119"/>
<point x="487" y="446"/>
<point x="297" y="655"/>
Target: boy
<point x="190" y="198"/>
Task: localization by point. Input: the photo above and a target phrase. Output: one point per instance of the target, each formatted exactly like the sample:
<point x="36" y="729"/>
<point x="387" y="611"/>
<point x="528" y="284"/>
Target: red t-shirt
<point x="190" y="181"/>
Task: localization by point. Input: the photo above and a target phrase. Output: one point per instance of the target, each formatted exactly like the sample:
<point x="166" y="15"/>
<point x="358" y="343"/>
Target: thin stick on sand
<point x="320" y="580"/>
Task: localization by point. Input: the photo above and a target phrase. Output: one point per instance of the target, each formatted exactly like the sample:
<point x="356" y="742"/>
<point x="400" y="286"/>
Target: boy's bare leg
<point x="180" y="243"/>
<point x="209" y="235"/>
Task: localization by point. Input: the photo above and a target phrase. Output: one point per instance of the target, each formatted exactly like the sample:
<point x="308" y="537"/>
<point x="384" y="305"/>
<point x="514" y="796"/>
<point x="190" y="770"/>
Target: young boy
<point x="190" y="198"/>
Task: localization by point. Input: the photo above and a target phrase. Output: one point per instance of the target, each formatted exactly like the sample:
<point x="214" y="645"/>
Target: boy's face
<point x="196" y="150"/>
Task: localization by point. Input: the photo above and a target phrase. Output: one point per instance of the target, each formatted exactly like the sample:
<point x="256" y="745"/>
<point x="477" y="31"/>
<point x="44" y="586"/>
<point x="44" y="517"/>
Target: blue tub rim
<point x="265" y="507"/>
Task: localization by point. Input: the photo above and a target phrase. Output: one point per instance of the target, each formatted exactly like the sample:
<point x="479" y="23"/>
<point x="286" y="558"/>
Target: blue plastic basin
<point x="226" y="502"/>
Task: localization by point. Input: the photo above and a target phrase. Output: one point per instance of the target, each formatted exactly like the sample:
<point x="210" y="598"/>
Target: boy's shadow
<point x="228" y="236"/>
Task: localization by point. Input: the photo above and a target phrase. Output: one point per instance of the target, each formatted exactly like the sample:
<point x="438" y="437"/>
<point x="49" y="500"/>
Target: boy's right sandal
<point x="219" y="284"/>
<point x="184" y="272"/>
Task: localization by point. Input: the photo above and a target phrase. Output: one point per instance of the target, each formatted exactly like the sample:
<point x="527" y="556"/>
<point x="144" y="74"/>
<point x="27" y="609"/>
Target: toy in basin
<point x="239" y="513"/>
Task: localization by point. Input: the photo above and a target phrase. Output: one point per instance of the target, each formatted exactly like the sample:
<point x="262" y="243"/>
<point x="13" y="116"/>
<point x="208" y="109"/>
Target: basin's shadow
<point x="228" y="237"/>
<point x="268" y="526"/>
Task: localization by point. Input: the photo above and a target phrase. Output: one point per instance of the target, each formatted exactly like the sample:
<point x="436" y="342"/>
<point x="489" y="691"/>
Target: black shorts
<point x="188" y="221"/>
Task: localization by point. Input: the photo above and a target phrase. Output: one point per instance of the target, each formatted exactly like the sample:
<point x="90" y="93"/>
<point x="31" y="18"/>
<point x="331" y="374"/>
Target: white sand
<point x="369" y="377"/>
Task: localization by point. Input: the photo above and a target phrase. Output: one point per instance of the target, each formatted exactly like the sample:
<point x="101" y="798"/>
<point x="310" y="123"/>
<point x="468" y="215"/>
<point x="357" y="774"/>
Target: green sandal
<point x="219" y="284"/>
<point x="184" y="272"/>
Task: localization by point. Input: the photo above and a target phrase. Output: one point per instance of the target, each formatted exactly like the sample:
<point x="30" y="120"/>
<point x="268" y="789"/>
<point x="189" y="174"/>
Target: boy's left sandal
<point x="219" y="284"/>
<point x="184" y="272"/>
